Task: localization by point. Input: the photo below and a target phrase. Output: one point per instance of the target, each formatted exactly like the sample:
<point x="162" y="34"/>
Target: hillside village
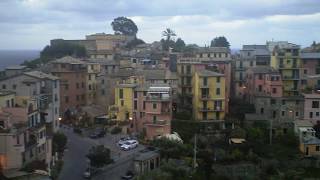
<point x="201" y="112"/>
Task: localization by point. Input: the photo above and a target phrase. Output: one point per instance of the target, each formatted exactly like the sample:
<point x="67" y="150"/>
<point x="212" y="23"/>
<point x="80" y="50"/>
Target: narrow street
<point x="78" y="146"/>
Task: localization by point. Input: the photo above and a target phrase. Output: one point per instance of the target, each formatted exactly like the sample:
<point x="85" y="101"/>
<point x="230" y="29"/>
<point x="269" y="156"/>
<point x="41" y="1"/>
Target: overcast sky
<point x="30" y="24"/>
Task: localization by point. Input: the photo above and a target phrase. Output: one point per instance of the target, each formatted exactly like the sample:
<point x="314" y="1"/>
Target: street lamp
<point x="130" y="118"/>
<point x="59" y="118"/>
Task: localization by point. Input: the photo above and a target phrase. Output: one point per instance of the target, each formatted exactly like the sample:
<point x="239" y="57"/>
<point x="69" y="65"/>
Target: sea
<point x="16" y="57"/>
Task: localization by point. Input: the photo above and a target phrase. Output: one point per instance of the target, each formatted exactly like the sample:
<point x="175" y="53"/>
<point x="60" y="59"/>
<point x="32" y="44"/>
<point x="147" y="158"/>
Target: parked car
<point x="77" y="130"/>
<point x="123" y="140"/>
<point x="130" y="144"/>
<point x="98" y="134"/>
<point x="128" y="175"/>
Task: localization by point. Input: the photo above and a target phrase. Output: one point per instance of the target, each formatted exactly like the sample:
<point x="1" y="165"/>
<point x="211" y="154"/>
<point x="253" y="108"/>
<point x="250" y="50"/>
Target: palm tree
<point x="168" y="33"/>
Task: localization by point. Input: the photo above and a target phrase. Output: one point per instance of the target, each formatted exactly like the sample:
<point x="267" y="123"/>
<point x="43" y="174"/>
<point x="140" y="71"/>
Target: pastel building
<point x="209" y="96"/>
<point x="311" y="107"/>
<point x="311" y="69"/>
<point x="73" y="76"/>
<point x="286" y="58"/>
<point x="40" y="86"/>
<point x="25" y="135"/>
<point x="250" y="56"/>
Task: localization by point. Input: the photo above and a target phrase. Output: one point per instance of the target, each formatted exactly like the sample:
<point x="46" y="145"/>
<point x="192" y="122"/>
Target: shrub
<point x="116" y="130"/>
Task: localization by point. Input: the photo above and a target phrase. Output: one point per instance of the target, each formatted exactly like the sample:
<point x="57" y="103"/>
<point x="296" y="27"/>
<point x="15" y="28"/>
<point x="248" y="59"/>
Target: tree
<point x="179" y="45"/>
<point x="220" y="42"/>
<point x="170" y="148"/>
<point x="134" y="43"/>
<point x="99" y="156"/>
<point x="59" y="142"/>
<point x="168" y="33"/>
<point x="125" y="26"/>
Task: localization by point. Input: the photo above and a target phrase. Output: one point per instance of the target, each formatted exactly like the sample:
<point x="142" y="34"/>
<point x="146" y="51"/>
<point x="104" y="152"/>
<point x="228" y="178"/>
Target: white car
<point x="130" y="144"/>
<point x="123" y="140"/>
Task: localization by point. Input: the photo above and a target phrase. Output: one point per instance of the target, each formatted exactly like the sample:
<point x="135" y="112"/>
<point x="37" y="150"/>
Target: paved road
<point x="74" y="158"/>
<point x="75" y="161"/>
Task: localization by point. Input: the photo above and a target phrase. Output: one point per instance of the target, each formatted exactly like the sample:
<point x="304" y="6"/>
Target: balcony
<point x="158" y="98"/>
<point x="215" y="109"/>
<point x="291" y="78"/>
<point x="157" y="123"/>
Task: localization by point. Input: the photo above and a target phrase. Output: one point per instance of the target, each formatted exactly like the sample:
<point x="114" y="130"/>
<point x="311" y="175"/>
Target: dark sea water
<point x="16" y="57"/>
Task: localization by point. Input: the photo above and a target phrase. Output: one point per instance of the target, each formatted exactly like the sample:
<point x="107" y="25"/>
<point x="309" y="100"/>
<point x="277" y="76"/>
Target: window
<point x="55" y="84"/>
<point x="135" y="94"/>
<point x="260" y="88"/>
<point x="283" y="102"/>
<point x="18" y="139"/>
<point x="144" y="105"/>
<point x="282" y="113"/>
<point x="66" y="99"/>
<point x="154" y="106"/>
<point x="135" y="104"/>
<point x="102" y="81"/>
<point x="141" y="114"/>
<point x="311" y="115"/>
<point x="82" y="96"/>
<point x="77" y="85"/>
<point x="261" y="110"/>
<point x="297" y="113"/>
<point x="55" y="97"/>
<point x="4" y="86"/>
<point x="82" y="84"/>
<point x="205" y="81"/>
<point x="78" y="97"/>
<point x="251" y="63"/>
<point x="144" y="93"/>
<point x="66" y="87"/>
<point x="317" y="114"/>
<point x="218" y="91"/>
<point x="315" y="104"/>
<point x="274" y="114"/>
<point x="120" y="93"/>
<point x="122" y="103"/>
<point x="218" y="79"/>
<point x="90" y="87"/>
<point x="154" y="119"/>
<point x="260" y="76"/>
<point x="305" y="71"/>
<point x="89" y="76"/>
<point x="317" y="148"/>
<point x="274" y="90"/>
<point x="56" y="110"/>
<point x="102" y="92"/>
<point x="14" y="86"/>
<point x="273" y="101"/>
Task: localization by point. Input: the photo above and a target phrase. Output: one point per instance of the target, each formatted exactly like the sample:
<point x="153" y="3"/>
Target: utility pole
<point x="270" y="132"/>
<point x="195" y="152"/>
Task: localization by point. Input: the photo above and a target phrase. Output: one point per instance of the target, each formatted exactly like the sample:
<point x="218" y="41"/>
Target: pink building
<point x="262" y="81"/>
<point x="312" y="107"/>
<point x="311" y="69"/>
<point x="152" y="110"/>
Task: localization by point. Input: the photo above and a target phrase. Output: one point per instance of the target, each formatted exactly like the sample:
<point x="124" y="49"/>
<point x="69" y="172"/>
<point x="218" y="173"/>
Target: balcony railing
<point x="157" y="122"/>
<point x="210" y="109"/>
<point x="158" y="98"/>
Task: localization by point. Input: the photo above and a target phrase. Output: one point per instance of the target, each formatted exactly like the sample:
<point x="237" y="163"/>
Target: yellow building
<point x="286" y="59"/>
<point x="209" y="96"/>
<point x="7" y="99"/>
<point x="124" y="101"/>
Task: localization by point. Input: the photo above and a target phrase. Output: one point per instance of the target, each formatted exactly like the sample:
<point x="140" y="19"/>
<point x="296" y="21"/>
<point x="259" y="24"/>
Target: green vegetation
<point x="116" y="130"/>
<point x="134" y="43"/>
<point x="169" y="42"/>
<point x="125" y="26"/>
<point x="56" y="169"/>
<point x="99" y="156"/>
<point x="59" y="142"/>
<point x="220" y="42"/>
<point x="57" y="50"/>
